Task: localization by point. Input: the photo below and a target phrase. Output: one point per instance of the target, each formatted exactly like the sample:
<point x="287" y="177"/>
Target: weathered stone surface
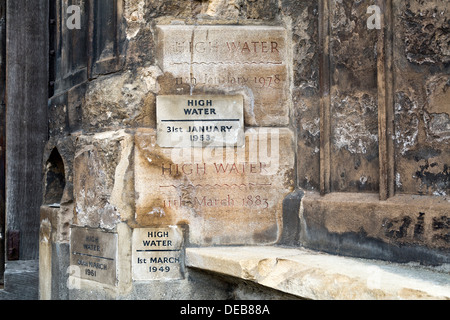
<point x="360" y="225"/>
<point x="353" y="93"/>
<point x="58" y="184"/>
<point x="319" y="276"/>
<point x="121" y="100"/>
<point x="247" y="60"/>
<point x="45" y="259"/>
<point x="103" y="180"/>
<point x="422" y="122"/>
<point x="304" y="24"/>
<point x="355" y="141"/>
<point x="426" y="32"/>
<point x="225" y="195"/>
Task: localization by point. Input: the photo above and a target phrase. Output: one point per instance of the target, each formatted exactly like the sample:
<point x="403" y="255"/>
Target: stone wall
<point x="349" y="124"/>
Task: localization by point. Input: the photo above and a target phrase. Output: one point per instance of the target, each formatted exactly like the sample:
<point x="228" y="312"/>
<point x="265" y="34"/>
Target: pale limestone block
<point x="103" y="179"/>
<point x="318" y="276"/>
<point x="224" y="195"/>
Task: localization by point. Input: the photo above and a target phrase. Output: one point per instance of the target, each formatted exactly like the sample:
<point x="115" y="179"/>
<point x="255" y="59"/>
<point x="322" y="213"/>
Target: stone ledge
<point x="21" y="280"/>
<point x="319" y="276"/>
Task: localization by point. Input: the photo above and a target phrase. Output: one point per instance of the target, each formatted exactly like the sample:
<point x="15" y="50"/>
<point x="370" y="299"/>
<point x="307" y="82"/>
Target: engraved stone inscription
<point x="249" y="60"/>
<point x="227" y="195"/>
<point x="157" y="253"/>
<point x="93" y="254"/>
<point x="200" y="121"/>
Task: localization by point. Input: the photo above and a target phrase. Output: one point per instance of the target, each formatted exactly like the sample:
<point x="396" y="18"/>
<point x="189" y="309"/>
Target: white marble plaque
<point x="200" y="121"/>
<point x="157" y="253"/>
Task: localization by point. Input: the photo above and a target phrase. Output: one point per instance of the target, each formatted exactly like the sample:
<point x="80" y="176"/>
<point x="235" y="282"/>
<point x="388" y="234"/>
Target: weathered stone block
<point x="360" y="225"/>
<point x="225" y="195"/>
<point x="318" y="276"/>
<point x="103" y="179"/>
<point x="422" y="123"/>
<point x="247" y="60"/>
<point x="121" y="100"/>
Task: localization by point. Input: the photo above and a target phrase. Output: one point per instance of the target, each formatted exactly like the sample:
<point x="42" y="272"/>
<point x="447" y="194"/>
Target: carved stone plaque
<point x="157" y="253"/>
<point x="94" y="252"/>
<point x="227" y="195"/>
<point x="247" y="60"/>
<point x="200" y="121"/>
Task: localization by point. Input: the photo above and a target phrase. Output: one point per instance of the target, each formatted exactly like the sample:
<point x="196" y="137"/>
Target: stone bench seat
<point x="319" y="276"/>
